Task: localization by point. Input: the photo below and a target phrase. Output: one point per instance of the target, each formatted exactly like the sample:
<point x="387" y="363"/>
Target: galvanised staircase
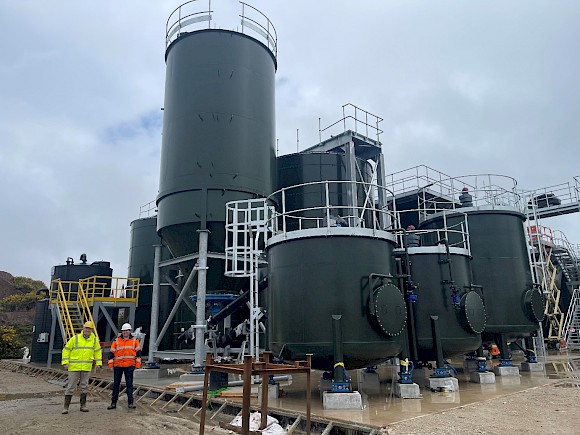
<point x="572" y="322"/>
<point x="72" y="307"/>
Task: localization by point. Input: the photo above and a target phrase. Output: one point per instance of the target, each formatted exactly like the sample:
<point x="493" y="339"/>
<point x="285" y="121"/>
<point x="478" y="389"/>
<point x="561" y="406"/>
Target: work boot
<point x="132" y="406"/>
<point x="113" y="405"/>
<point x="84" y="403"/>
<point x="67" y="400"/>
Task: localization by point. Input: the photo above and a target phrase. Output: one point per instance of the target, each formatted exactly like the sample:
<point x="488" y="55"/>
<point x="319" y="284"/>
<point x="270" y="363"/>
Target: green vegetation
<point x="27" y="285"/>
<point x="23" y="302"/>
<point x="13" y="338"/>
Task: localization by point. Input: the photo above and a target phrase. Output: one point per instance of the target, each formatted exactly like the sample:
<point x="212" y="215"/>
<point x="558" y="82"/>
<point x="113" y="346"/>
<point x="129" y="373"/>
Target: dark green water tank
<point x="301" y="168"/>
<point x="313" y="278"/>
<point x="460" y="325"/>
<point x="144" y="237"/>
<point x="500" y="264"/>
<point x="294" y="169"/>
<point x="218" y="136"/>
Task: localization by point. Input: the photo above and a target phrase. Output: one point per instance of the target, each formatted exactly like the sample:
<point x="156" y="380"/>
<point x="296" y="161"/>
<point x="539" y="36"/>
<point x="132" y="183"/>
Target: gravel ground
<point x="549" y="409"/>
<point x="30" y="405"/>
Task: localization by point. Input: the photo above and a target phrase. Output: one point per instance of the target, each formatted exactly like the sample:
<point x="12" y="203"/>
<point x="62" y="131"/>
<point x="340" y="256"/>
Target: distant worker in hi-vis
<point x="124" y="358"/>
<point x="81" y="353"/>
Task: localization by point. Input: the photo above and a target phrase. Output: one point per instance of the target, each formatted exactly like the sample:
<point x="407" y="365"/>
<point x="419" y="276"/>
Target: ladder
<point x="546" y="272"/>
<point x="553" y="313"/>
<point x="72" y="307"/>
<point x="539" y="345"/>
<point x="248" y="223"/>
<point x="572" y="322"/>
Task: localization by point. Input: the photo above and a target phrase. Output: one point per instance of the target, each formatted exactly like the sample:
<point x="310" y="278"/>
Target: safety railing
<point x="148" y="210"/>
<point x="193" y="15"/>
<point x="328" y="204"/>
<point x="540" y="234"/>
<point x="561" y="240"/>
<point x="489" y="191"/>
<point x="110" y="289"/>
<point x="416" y="178"/>
<point x="73" y="306"/>
<point x="571" y="325"/>
<point x="437" y="191"/>
<point x="255" y="20"/>
<point x="558" y="195"/>
<point x="355" y="119"/>
<point x="454" y="233"/>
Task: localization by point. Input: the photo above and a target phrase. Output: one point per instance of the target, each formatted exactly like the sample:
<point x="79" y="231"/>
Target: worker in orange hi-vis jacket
<point x="124" y="357"/>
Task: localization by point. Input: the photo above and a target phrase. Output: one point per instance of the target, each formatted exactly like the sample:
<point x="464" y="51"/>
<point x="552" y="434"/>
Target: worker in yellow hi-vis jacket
<point x="79" y="355"/>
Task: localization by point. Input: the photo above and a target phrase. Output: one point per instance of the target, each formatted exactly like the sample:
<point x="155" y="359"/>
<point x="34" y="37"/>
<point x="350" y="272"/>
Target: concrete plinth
<point x="273" y="391"/>
<point x="506" y="371"/>
<point x="341" y="400"/>
<point x="407" y="391"/>
<point x="140" y="374"/>
<point x="449" y="384"/>
<point x="368" y="382"/>
<point x="482" y="377"/>
<point x="192" y="377"/>
<point x="470" y="365"/>
<point x="532" y="367"/>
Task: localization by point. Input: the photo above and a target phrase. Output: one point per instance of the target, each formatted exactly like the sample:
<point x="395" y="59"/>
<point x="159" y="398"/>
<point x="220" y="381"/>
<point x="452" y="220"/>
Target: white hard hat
<point x="126" y="327"/>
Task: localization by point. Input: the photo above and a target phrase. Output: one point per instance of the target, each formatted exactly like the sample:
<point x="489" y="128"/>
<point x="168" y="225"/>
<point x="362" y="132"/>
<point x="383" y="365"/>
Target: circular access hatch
<point x="387" y="310"/>
<point x="474" y="317"/>
<point x="534" y="303"/>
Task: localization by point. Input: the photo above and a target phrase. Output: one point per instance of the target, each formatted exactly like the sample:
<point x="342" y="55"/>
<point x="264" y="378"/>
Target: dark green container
<point x="460" y="325"/>
<point x="218" y="135"/>
<point x="141" y="265"/>
<point x="301" y="168"/>
<point x="313" y="278"/>
<point x="500" y="264"/>
<point x="218" y="143"/>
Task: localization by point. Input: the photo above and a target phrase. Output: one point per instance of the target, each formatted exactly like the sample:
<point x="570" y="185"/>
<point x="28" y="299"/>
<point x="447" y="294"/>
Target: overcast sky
<point x="464" y="87"/>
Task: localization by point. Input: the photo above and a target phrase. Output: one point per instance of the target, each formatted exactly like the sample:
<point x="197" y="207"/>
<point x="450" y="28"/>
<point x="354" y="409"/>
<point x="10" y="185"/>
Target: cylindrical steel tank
<point x="313" y="278"/>
<point x="294" y="169"/>
<point x="218" y="136"/>
<point x="313" y="167"/>
<point x="500" y="264"/>
<point x="437" y="272"/>
<point x="144" y="237"/>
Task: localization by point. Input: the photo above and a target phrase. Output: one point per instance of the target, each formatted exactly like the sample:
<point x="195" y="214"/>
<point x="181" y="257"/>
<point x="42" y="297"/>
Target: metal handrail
<point x="325" y="214"/>
<point x="266" y="32"/>
<point x="191" y="14"/>
<point x="366" y="123"/>
<point x="148" y="210"/>
<point x="562" y="194"/>
<point x="489" y="190"/>
<point x="454" y="234"/>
